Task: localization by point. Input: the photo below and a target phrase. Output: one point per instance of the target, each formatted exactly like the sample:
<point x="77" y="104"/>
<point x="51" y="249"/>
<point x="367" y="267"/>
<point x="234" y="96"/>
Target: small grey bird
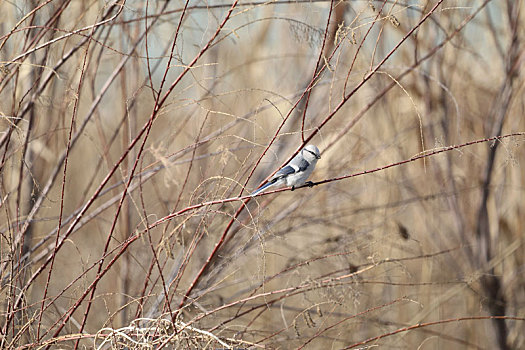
<point x="296" y="171"/>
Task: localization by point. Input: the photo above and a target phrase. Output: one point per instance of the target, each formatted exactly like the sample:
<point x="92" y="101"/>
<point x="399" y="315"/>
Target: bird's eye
<point x="312" y="153"/>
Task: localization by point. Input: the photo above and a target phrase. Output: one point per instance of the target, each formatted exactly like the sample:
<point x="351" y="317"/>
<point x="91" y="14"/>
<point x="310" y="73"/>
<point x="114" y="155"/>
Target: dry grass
<point x="132" y="131"/>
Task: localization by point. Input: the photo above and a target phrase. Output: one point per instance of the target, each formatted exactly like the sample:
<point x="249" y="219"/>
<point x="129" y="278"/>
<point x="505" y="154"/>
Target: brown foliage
<point x="132" y="133"/>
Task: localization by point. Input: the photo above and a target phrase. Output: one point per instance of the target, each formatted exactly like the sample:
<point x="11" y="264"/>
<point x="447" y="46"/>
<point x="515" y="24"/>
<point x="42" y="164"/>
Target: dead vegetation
<point x="133" y="131"/>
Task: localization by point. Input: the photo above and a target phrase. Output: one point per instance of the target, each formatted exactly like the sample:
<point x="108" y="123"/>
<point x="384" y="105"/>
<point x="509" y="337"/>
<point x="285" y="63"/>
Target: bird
<point x="296" y="172"/>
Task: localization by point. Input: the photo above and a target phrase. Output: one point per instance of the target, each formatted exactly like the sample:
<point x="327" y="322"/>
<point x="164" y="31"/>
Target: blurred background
<point x="129" y="128"/>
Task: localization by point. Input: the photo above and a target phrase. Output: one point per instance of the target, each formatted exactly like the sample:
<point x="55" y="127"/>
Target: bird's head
<point x="311" y="153"/>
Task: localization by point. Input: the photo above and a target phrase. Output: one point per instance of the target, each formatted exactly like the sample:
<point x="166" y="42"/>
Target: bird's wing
<point x="299" y="163"/>
<point x="295" y="166"/>
<point x="285" y="171"/>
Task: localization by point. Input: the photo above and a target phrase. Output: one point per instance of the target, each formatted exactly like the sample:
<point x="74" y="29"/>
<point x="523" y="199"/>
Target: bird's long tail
<point x="262" y="188"/>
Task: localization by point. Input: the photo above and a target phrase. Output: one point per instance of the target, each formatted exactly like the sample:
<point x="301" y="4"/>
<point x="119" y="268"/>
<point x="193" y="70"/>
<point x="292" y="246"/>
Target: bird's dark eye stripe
<point x="315" y="155"/>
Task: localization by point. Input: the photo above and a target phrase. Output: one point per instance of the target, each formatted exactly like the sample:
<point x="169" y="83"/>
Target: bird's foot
<point x="293" y="188"/>
<point x="309" y="183"/>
